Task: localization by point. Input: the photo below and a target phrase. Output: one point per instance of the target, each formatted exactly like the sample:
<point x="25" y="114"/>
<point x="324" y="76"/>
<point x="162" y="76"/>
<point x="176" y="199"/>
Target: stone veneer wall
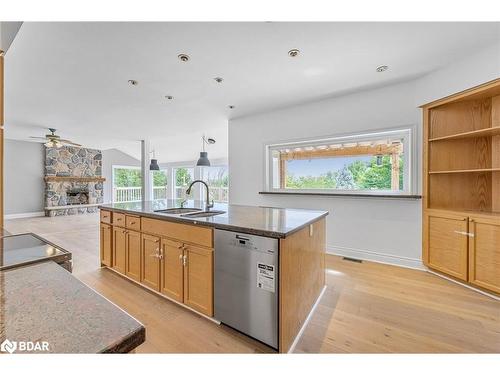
<point x="70" y="161"/>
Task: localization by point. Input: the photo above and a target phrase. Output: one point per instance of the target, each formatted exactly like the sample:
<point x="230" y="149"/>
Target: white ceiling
<point x="73" y="76"/>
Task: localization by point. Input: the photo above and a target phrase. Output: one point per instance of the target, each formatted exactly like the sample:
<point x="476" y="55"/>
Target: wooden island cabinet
<point x="175" y="258"/>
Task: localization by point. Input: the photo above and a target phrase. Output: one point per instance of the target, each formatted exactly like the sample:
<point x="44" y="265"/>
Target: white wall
<point x="367" y="228"/>
<point x="356" y="226"/>
<point x="23" y="178"/>
<point x="114" y="157"/>
<point x="472" y="71"/>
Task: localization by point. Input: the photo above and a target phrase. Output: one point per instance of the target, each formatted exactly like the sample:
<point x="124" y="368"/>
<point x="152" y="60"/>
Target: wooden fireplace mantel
<point x="73" y="179"/>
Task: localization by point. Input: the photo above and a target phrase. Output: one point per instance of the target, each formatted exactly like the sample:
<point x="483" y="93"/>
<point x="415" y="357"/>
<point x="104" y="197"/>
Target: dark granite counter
<point x="263" y="221"/>
<point x="45" y="303"/>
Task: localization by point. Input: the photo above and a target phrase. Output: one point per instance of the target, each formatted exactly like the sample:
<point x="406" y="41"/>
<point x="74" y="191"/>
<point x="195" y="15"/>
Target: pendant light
<point x="153" y="166"/>
<point x="203" y="160"/>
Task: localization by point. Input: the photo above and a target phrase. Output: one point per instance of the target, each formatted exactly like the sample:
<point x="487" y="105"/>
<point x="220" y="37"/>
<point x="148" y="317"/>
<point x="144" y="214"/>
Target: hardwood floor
<point x="367" y="307"/>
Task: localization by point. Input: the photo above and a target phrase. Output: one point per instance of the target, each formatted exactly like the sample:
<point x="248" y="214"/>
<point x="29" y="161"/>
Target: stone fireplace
<point x="73" y="180"/>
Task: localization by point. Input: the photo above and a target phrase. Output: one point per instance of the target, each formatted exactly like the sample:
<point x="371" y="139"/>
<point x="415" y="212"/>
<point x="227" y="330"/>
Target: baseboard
<point x="306" y="322"/>
<point x="374" y="256"/>
<point x="24" y="215"/>
<point x="464" y="284"/>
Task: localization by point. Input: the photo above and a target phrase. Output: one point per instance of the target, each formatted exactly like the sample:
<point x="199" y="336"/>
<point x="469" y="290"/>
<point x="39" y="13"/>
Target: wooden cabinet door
<point x="446" y="244"/>
<point x="150" y="258"/>
<point x="119" y="249"/>
<point x="172" y="269"/>
<point x="133" y="258"/>
<point x="198" y="279"/>
<point x="484" y="253"/>
<point x="106" y="243"/>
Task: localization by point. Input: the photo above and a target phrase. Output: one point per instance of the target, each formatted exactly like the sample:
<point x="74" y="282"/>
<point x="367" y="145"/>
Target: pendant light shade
<point x="153" y="166"/>
<point x="203" y="160"/>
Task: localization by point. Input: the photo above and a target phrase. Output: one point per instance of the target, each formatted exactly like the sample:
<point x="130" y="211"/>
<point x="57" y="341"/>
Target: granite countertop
<point x="263" y="221"/>
<point x="44" y="302"/>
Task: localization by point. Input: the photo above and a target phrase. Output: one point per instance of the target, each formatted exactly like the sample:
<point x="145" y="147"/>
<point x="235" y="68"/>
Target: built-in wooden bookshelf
<point x="461" y="186"/>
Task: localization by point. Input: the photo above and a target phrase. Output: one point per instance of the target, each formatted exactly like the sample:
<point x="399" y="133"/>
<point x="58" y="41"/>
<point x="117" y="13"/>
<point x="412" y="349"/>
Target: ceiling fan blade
<point x="39" y="138"/>
<point x="68" y="142"/>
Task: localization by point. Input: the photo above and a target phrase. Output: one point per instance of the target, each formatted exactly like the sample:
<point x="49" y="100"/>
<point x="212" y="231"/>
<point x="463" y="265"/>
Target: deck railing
<point x="134" y="194"/>
<point x="217" y="193"/>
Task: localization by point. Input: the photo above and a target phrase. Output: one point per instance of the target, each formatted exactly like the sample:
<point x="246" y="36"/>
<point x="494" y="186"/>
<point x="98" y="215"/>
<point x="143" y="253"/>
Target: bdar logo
<point x="8" y="346"/>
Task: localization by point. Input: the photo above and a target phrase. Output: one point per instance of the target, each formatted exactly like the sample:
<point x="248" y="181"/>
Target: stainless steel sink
<point x="204" y="213"/>
<point x="179" y="210"/>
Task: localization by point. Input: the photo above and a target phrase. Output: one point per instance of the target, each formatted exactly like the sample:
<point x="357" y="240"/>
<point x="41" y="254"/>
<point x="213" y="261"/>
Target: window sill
<point x="349" y="195"/>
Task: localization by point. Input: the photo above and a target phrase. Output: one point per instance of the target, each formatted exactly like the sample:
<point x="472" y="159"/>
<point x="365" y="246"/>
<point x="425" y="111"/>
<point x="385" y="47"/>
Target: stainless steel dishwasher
<point x="246" y="284"/>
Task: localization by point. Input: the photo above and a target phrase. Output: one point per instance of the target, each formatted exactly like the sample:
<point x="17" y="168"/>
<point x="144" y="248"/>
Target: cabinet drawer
<point x="181" y="232"/>
<point x="133" y="222"/>
<point x="106" y="217"/>
<point x="118" y="219"/>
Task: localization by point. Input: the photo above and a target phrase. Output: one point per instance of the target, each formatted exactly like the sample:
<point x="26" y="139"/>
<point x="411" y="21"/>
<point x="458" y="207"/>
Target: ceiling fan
<point x="53" y="140"/>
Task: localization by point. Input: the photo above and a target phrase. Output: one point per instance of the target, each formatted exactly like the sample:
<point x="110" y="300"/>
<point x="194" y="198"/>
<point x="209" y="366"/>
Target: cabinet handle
<point x="464" y="233"/>
<point x="132" y="223"/>
<point x="180" y="257"/>
<point x="184" y="260"/>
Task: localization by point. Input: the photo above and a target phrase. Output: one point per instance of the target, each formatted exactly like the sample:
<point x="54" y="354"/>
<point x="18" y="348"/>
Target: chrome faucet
<point x="208" y="205"/>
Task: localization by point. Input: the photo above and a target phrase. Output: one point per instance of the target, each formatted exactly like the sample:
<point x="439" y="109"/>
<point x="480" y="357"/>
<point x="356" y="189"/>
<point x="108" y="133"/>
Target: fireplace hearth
<point x="73" y="180"/>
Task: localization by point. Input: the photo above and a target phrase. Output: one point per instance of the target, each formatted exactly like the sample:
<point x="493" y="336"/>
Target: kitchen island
<point x="45" y="309"/>
<point x="172" y="254"/>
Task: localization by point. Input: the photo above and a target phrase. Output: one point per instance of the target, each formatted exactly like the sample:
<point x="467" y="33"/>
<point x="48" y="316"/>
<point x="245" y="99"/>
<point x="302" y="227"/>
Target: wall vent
<point x="353" y="260"/>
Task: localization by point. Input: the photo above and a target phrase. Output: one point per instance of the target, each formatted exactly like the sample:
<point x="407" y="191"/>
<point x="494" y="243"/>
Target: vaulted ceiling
<point x="74" y="76"/>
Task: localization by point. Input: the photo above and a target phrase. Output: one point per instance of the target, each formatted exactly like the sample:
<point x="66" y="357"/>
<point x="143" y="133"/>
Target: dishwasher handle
<point x="240" y="237"/>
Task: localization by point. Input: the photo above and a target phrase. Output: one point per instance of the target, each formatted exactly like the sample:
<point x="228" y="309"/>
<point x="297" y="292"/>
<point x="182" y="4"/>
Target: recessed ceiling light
<point x="230" y="106"/>
<point x="183" y="57"/>
<point x="169" y="97"/>
<point x="133" y="82"/>
<point x="218" y="79"/>
<point x="382" y="68"/>
<point x="293" y="53"/>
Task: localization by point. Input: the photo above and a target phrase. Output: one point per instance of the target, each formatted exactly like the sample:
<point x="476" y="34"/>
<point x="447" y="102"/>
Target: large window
<point x="372" y="163"/>
<point x="218" y="181"/>
<point x="127" y="184"/>
<point x="160" y="186"/>
<point x="182" y="177"/>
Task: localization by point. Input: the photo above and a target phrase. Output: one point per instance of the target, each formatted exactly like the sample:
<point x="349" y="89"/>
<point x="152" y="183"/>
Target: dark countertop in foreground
<point x="263" y="221"/>
<point x="44" y="302"/>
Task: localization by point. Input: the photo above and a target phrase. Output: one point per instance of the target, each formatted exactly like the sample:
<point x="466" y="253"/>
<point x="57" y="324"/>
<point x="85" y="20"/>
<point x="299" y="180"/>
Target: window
<point x="182" y="177"/>
<point x="159" y="184"/>
<point x="218" y="181"/>
<point x="127" y="184"/>
<point x="372" y="163"/>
